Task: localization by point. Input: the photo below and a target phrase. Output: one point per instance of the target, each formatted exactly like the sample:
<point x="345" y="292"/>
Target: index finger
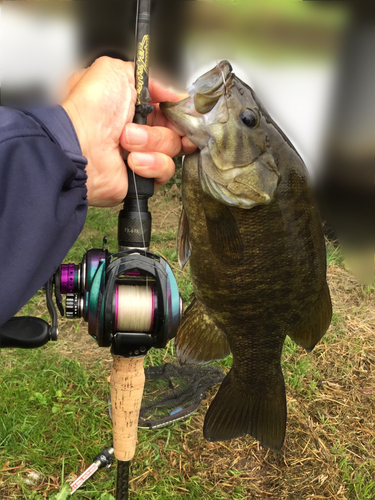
<point x="161" y="93"/>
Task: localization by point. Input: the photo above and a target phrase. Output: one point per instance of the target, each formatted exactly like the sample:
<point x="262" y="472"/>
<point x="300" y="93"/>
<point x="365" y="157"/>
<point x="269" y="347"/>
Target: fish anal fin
<point x="311" y="330"/>
<point x="257" y="410"/>
<point x="198" y="339"/>
<point x="183" y="242"/>
<point x="223" y="232"/>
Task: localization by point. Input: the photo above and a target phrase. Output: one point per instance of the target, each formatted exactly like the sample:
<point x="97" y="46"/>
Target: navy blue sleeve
<point x="43" y="203"/>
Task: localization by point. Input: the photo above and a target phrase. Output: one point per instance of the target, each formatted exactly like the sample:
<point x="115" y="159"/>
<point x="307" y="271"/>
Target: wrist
<point x="77" y="122"/>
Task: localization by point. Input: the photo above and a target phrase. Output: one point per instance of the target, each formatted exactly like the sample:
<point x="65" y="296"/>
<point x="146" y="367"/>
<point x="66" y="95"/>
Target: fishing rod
<point x="129" y="299"/>
<point x="134" y="231"/>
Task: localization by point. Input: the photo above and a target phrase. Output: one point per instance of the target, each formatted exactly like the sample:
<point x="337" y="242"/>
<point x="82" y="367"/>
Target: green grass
<point x="53" y="411"/>
<point x="334" y="255"/>
<point x="99" y="224"/>
<point x="360" y="478"/>
<point x="54" y="418"/>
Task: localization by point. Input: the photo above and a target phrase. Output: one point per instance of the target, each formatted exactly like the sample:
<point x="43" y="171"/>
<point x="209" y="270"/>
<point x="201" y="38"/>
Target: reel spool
<point x="135" y="308"/>
<point x="130" y="299"/>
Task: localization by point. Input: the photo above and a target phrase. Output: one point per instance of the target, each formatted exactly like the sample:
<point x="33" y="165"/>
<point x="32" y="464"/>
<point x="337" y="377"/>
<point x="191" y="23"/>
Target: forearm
<point x="43" y="202"/>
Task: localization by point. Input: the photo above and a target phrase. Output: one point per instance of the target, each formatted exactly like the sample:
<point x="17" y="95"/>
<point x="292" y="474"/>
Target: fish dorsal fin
<point x="198" y="339"/>
<point x="183" y="242"/>
<point x="223" y="232"/>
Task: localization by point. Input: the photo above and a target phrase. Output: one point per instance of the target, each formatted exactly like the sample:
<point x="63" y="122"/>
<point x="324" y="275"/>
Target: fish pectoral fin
<point x="198" y="339"/>
<point x="311" y="330"/>
<point x="257" y="409"/>
<point x="183" y="242"/>
<point x="223" y="232"/>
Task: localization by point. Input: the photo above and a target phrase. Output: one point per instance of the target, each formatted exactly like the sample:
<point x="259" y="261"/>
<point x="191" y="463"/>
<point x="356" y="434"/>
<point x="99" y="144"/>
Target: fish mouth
<point x="205" y="91"/>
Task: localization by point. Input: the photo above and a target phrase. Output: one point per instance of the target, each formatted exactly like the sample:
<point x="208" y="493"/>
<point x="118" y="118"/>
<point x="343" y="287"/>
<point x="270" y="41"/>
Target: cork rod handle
<point x="127" y="383"/>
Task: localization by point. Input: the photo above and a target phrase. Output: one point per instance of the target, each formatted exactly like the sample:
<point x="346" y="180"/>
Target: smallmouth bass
<point x="253" y="234"/>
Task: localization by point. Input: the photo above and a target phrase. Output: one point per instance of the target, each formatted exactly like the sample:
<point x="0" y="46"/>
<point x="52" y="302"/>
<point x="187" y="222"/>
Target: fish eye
<point x="249" y="118"/>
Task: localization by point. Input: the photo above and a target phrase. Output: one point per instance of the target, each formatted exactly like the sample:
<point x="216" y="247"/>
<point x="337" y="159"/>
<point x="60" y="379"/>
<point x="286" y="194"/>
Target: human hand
<point x="101" y="104"/>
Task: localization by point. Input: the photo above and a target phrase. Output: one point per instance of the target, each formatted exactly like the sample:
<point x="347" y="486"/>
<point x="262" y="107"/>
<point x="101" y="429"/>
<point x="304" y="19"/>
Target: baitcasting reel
<point x="129" y="299"/>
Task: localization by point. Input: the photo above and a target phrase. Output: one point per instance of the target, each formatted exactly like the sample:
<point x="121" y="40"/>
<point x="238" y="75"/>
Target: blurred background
<point x="309" y="62"/>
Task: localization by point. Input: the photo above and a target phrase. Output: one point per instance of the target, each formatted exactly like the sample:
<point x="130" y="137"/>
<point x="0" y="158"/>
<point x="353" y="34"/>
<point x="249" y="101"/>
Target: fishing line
<point x="225" y="83"/>
<point x="134" y="178"/>
<point x="223" y="76"/>
<point x="136" y="32"/>
<point x="135" y="307"/>
<point x="140" y="217"/>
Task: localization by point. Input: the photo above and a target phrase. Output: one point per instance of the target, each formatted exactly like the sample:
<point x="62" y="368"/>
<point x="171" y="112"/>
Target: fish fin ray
<point x="258" y="411"/>
<point x="308" y="334"/>
<point x="223" y="232"/>
<point x="183" y="241"/>
<point x="198" y="339"/>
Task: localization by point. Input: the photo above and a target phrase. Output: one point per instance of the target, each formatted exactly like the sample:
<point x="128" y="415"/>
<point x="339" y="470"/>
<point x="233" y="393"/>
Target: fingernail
<point x="142" y="159"/>
<point x="135" y="135"/>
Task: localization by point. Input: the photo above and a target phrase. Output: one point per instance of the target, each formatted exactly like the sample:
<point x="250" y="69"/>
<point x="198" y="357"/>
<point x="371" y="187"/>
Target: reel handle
<point x="127" y="383"/>
<point x="24" y="332"/>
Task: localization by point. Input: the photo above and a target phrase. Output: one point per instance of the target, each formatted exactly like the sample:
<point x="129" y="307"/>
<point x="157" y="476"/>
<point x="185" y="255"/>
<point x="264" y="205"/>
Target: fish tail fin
<point x="258" y="410"/>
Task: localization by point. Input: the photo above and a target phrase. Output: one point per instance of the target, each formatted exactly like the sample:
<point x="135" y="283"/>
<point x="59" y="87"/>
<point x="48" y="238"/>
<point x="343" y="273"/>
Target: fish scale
<point x="253" y="235"/>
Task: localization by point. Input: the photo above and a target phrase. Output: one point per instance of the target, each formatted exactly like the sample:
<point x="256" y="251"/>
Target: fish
<point x="251" y="231"/>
